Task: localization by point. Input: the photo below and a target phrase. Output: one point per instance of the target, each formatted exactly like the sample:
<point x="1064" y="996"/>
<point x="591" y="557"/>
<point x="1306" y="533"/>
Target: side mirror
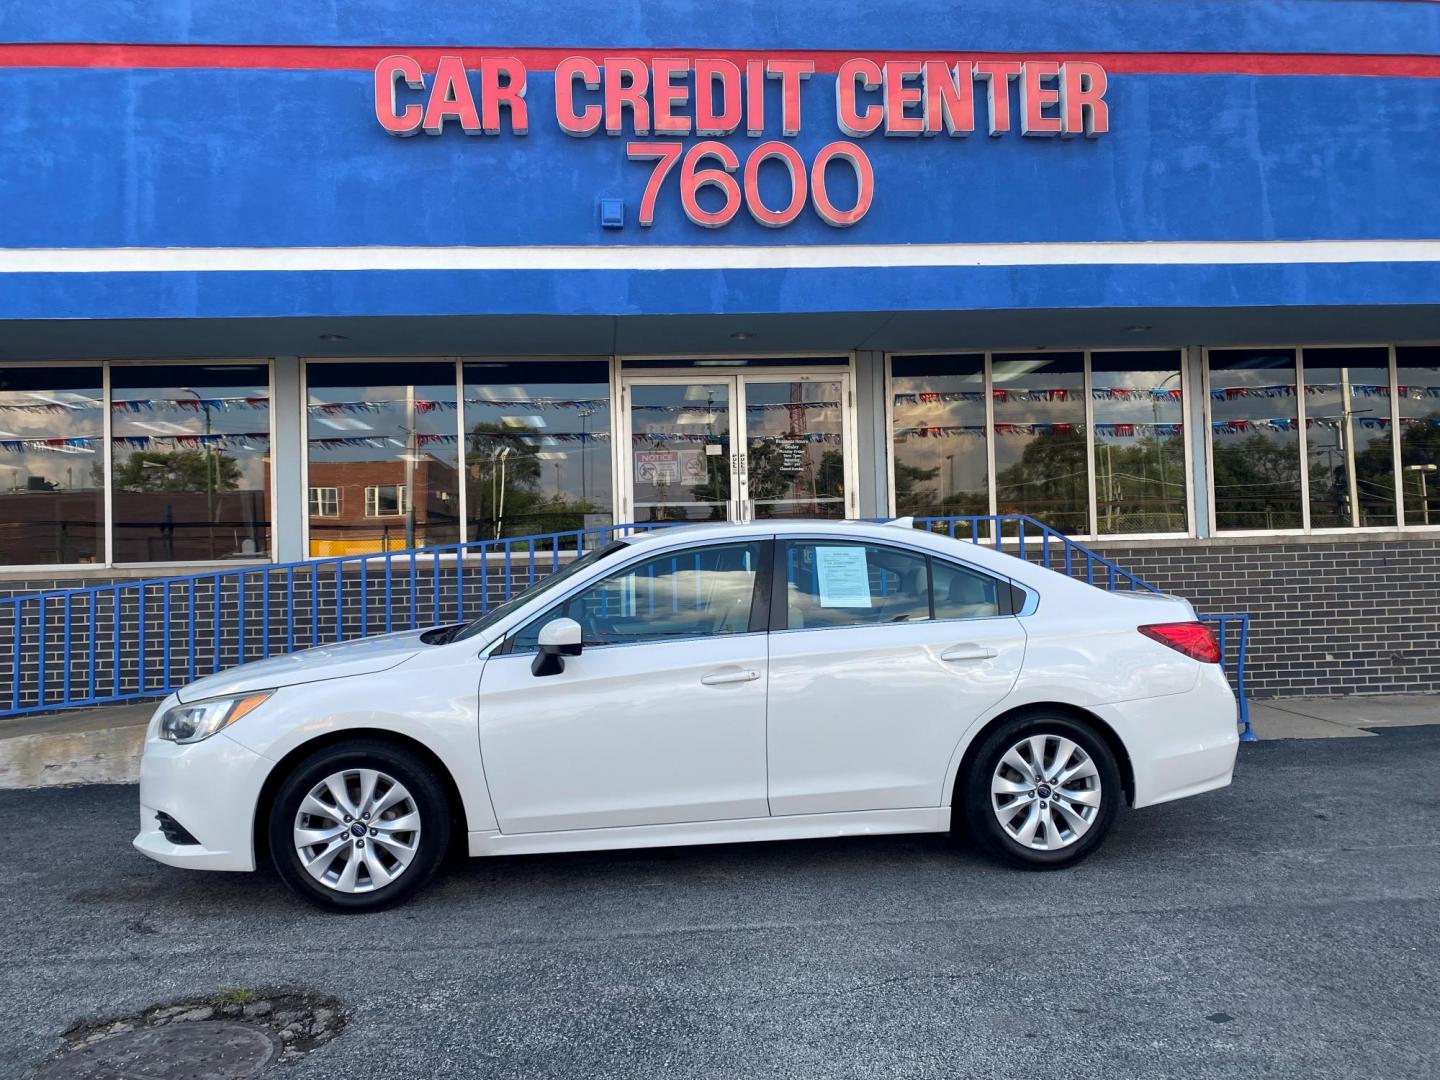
<point x="559" y="638"/>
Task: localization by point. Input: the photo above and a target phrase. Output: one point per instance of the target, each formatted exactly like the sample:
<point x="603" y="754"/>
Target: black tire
<point x="405" y="767"/>
<point x="981" y="818"/>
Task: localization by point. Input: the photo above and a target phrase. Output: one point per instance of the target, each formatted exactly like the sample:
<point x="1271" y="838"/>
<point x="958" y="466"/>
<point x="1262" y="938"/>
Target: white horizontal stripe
<point x="817" y="256"/>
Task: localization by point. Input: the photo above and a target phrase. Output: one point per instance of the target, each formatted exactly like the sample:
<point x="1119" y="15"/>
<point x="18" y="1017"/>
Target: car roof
<point x="899" y="531"/>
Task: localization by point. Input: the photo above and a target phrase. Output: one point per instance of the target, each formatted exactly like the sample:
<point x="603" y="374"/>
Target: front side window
<point x="52" y="465"/>
<point x="694" y="593"/>
<point x="1255" y="439"/>
<point x="829" y="583"/>
<point x="190" y="446"/>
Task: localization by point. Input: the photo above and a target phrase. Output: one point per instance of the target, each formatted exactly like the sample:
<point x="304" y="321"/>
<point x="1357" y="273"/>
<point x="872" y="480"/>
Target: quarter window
<point x="699" y="592"/>
<point x="964" y="594"/>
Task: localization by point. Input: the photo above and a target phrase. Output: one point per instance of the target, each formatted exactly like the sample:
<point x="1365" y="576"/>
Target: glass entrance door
<point x="737" y="447"/>
<point x="795" y="446"/>
<point x="680" y="449"/>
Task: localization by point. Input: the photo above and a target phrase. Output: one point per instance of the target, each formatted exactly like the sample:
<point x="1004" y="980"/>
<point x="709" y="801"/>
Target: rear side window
<point x="847" y="584"/>
<point x="964" y="594"/>
<point x="842" y="583"/>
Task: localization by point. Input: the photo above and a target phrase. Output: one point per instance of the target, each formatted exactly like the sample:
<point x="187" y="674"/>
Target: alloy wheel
<point x="1045" y="792"/>
<point x="357" y="830"/>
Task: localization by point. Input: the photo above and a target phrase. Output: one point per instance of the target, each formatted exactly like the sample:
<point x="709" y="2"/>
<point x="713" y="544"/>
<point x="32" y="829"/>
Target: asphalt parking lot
<point x="1285" y="927"/>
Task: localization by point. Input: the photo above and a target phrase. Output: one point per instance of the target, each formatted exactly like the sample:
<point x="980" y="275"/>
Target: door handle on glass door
<point x="720" y="678"/>
<point x="967" y="652"/>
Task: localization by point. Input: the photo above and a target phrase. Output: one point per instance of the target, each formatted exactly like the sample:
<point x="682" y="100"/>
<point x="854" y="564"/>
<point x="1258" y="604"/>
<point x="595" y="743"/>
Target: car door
<point x="875" y="675"/>
<point x="660" y="719"/>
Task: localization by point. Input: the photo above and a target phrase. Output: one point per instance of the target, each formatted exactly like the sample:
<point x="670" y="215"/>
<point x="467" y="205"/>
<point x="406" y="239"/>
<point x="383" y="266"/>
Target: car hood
<point x="363" y="657"/>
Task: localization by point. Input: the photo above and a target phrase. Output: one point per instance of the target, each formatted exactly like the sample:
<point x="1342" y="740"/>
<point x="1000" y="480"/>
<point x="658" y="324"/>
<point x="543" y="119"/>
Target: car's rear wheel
<point x="359" y="826"/>
<point x="1041" y="791"/>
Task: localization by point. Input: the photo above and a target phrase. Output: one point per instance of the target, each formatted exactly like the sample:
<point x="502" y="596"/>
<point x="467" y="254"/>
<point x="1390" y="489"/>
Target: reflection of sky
<point x="960" y="459"/>
<point x="583" y="465"/>
<point x="166" y="417"/>
<point x="388" y="422"/>
<point x="68" y="467"/>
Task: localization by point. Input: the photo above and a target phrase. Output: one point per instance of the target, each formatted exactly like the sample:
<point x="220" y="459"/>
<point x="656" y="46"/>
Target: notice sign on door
<point x="844" y="577"/>
<point x="662" y="467"/>
<point x="793" y="458"/>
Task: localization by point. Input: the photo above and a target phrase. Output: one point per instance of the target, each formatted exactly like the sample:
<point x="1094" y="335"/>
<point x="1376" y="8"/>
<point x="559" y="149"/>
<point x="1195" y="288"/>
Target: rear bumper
<point x="1180" y="744"/>
<point x="210" y="788"/>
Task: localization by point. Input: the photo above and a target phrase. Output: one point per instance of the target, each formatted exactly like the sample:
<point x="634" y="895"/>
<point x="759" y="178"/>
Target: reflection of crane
<point x="799" y="427"/>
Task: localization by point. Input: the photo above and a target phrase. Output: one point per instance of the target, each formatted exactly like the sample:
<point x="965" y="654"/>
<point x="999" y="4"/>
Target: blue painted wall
<point x="220" y="158"/>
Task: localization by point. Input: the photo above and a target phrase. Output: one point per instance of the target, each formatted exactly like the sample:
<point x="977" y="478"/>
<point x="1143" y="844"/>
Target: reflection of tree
<point x="1257" y="484"/>
<point x="504" y="489"/>
<point x="1375" y="478"/>
<point x="1140" y="485"/>
<point x="176" y="471"/>
<point x="1049" y="482"/>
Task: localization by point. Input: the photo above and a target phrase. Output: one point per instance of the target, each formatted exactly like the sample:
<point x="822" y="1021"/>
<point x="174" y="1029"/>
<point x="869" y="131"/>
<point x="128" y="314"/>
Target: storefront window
<point x="938" y="409"/>
<point x="1350" y="467"/>
<point x="1040" y="452"/>
<point x="1138" y="409"/>
<point x="1417" y="377"/>
<point x="383" y="443"/>
<point x="52" y="478"/>
<point x="1254" y="439"/>
<point x="190" y="449"/>
<point x="537" y="446"/>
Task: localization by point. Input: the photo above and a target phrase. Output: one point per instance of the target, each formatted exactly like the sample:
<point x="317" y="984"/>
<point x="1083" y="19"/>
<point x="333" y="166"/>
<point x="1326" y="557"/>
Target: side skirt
<point x="796" y="827"/>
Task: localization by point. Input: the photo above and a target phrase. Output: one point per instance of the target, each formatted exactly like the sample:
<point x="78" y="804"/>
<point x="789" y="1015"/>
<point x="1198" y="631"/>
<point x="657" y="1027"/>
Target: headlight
<point x="191" y="723"/>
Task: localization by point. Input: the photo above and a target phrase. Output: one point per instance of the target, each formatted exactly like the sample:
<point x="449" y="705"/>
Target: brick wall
<point x="1327" y="618"/>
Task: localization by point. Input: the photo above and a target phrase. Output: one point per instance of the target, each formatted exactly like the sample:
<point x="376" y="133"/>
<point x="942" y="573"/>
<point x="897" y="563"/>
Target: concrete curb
<point x="88" y="746"/>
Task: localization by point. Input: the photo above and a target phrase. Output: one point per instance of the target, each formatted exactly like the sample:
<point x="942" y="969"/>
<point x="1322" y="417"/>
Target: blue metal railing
<point x="131" y="640"/>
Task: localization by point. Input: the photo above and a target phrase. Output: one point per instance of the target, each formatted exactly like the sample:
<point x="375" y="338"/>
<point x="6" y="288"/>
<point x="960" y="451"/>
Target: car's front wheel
<point x="1041" y="791"/>
<point x="359" y="826"/>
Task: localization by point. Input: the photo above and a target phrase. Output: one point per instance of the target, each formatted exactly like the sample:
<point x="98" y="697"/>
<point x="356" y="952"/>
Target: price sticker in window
<point x="844" y="577"/>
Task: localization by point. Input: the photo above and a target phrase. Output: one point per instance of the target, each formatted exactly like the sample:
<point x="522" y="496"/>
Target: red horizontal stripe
<point x="364" y="58"/>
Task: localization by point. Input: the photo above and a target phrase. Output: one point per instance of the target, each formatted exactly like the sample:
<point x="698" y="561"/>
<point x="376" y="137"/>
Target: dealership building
<point x="316" y="280"/>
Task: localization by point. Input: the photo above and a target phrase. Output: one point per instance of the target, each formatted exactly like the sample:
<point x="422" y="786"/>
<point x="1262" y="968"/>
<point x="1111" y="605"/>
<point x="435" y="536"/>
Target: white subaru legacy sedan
<point x="696" y="685"/>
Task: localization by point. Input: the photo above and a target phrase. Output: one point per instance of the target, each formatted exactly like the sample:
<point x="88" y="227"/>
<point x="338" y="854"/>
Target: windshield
<point x="494" y="615"/>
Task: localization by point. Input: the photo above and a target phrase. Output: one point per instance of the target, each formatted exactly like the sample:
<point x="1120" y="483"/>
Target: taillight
<point x="1194" y="639"/>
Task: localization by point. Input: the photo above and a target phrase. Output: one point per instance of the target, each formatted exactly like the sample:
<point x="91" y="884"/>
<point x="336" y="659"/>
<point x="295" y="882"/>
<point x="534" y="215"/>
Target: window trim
<point x="311" y="496"/>
<point x="760" y="596"/>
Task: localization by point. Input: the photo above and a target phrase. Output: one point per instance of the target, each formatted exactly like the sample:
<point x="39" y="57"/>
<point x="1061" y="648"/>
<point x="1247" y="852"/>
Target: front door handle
<point x="967" y="652"/>
<point x="721" y="678"/>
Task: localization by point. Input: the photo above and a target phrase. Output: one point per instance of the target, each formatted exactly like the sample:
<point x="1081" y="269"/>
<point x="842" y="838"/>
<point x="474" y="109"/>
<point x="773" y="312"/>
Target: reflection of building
<point x="358" y="507"/>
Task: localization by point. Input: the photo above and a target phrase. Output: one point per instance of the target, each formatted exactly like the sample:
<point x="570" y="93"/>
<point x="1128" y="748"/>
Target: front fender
<point x="434" y="707"/>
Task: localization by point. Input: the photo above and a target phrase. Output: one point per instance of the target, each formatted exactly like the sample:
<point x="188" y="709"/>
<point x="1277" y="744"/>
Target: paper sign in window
<point x="843" y="576"/>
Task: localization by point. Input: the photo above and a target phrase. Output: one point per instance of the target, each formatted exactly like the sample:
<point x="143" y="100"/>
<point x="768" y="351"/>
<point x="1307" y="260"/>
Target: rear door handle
<point x="721" y="678"/>
<point x="967" y="652"/>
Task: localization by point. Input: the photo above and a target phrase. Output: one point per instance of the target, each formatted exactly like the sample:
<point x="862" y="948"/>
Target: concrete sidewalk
<point x="102" y="746"/>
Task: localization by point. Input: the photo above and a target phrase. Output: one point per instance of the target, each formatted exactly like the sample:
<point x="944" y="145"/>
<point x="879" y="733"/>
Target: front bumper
<point x="211" y="789"/>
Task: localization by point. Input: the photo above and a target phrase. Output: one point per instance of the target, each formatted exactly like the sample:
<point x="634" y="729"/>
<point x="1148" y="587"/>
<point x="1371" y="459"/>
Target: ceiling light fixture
<point x="333" y="337"/>
<point x="742" y="335"/>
